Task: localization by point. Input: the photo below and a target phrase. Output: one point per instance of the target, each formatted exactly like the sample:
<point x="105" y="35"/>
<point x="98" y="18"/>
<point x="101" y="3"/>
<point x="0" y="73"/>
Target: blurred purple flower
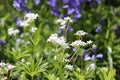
<point x="18" y="21"/>
<point x="20" y="5"/>
<point x="98" y="56"/>
<point x="94" y="49"/>
<point x="97" y="30"/>
<point x="53" y="4"/>
<point x="101" y="21"/>
<point x="37" y="2"/>
<point x="73" y="7"/>
<point x="94" y="3"/>
<point x="116" y="12"/>
<point x="2" y="42"/>
<point x="69" y="29"/>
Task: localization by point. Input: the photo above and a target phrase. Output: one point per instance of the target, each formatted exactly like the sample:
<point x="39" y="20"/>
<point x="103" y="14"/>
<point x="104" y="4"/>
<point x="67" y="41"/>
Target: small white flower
<point x="12" y="31"/>
<point x="70" y="67"/>
<point x="55" y="58"/>
<point x="19" y="41"/>
<point x="22" y="60"/>
<point x="10" y="67"/>
<point x="28" y="63"/>
<point x="2" y="64"/>
<point x="58" y="41"/>
<point x="87" y="58"/>
<point x="68" y="19"/>
<point x="33" y="29"/>
<point x="89" y="42"/>
<point x="78" y="43"/>
<point x="66" y="60"/>
<point x="31" y="16"/>
<point x="67" y="55"/>
<point x="24" y="23"/>
<point x="80" y="33"/>
<point x="63" y="27"/>
<point x="93" y="46"/>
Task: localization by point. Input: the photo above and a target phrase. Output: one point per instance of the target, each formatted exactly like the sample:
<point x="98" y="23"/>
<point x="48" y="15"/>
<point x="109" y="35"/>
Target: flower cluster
<point x="60" y="41"/>
<point x="29" y="17"/>
<point x="80" y="43"/>
<point x="12" y="31"/>
<point x="63" y="22"/>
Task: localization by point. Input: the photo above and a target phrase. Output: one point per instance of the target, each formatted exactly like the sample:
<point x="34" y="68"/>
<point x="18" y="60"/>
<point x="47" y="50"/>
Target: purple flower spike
<point x="37" y="2"/>
<point x="99" y="56"/>
<point x="2" y="42"/>
<point x="97" y="30"/>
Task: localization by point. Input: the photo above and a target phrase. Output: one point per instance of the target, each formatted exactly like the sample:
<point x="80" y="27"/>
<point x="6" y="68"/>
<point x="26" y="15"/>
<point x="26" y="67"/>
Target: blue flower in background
<point x="73" y="7"/>
<point x="37" y="2"/>
<point x="18" y="21"/>
<point x="97" y="30"/>
<point x="20" y="5"/>
<point x="53" y="4"/>
<point x="2" y="42"/>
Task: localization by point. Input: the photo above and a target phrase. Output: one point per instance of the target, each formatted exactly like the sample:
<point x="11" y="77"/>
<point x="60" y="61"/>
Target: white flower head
<point x="2" y="64"/>
<point x="58" y="41"/>
<point x="10" y="67"/>
<point x="94" y="46"/>
<point x="33" y="29"/>
<point x="28" y="63"/>
<point x="24" y="23"/>
<point x="78" y="43"/>
<point x="31" y="16"/>
<point x="68" y="19"/>
<point x="70" y="67"/>
<point x="89" y="42"/>
<point x="22" y="60"/>
<point x="12" y="31"/>
<point x="80" y="33"/>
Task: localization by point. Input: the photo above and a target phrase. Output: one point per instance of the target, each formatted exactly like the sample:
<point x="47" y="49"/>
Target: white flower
<point x="66" y="60"/>
<point x="19" y="41"/>
<point x="33" y="29"/>
<point x="55" y="58"/>
<point x="70" y="67"/>
<point x="2" y="64"/>
<point x="68" y="19"/>
<point x="10" y="67"/>
<point x="31" y="16"/>
<point x="53" y="38"/>
<point x="64" y="21"/>
<point x="78" y="43"/>
<point x="63" y="27"/>
<point x="87" y="58"/>
<point x="58" y="41"/>
<point x="22" y="60"/>
<point x="67" y="55"/>
<point x="12" y="31"/>
<point x="24" y="23"/>
<point x="91" y="66"/>
<point x="80" y="33"/>
<point x="93" y="46"/>
<point x="28" y="63"/>
<point x="89" y="42"/>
